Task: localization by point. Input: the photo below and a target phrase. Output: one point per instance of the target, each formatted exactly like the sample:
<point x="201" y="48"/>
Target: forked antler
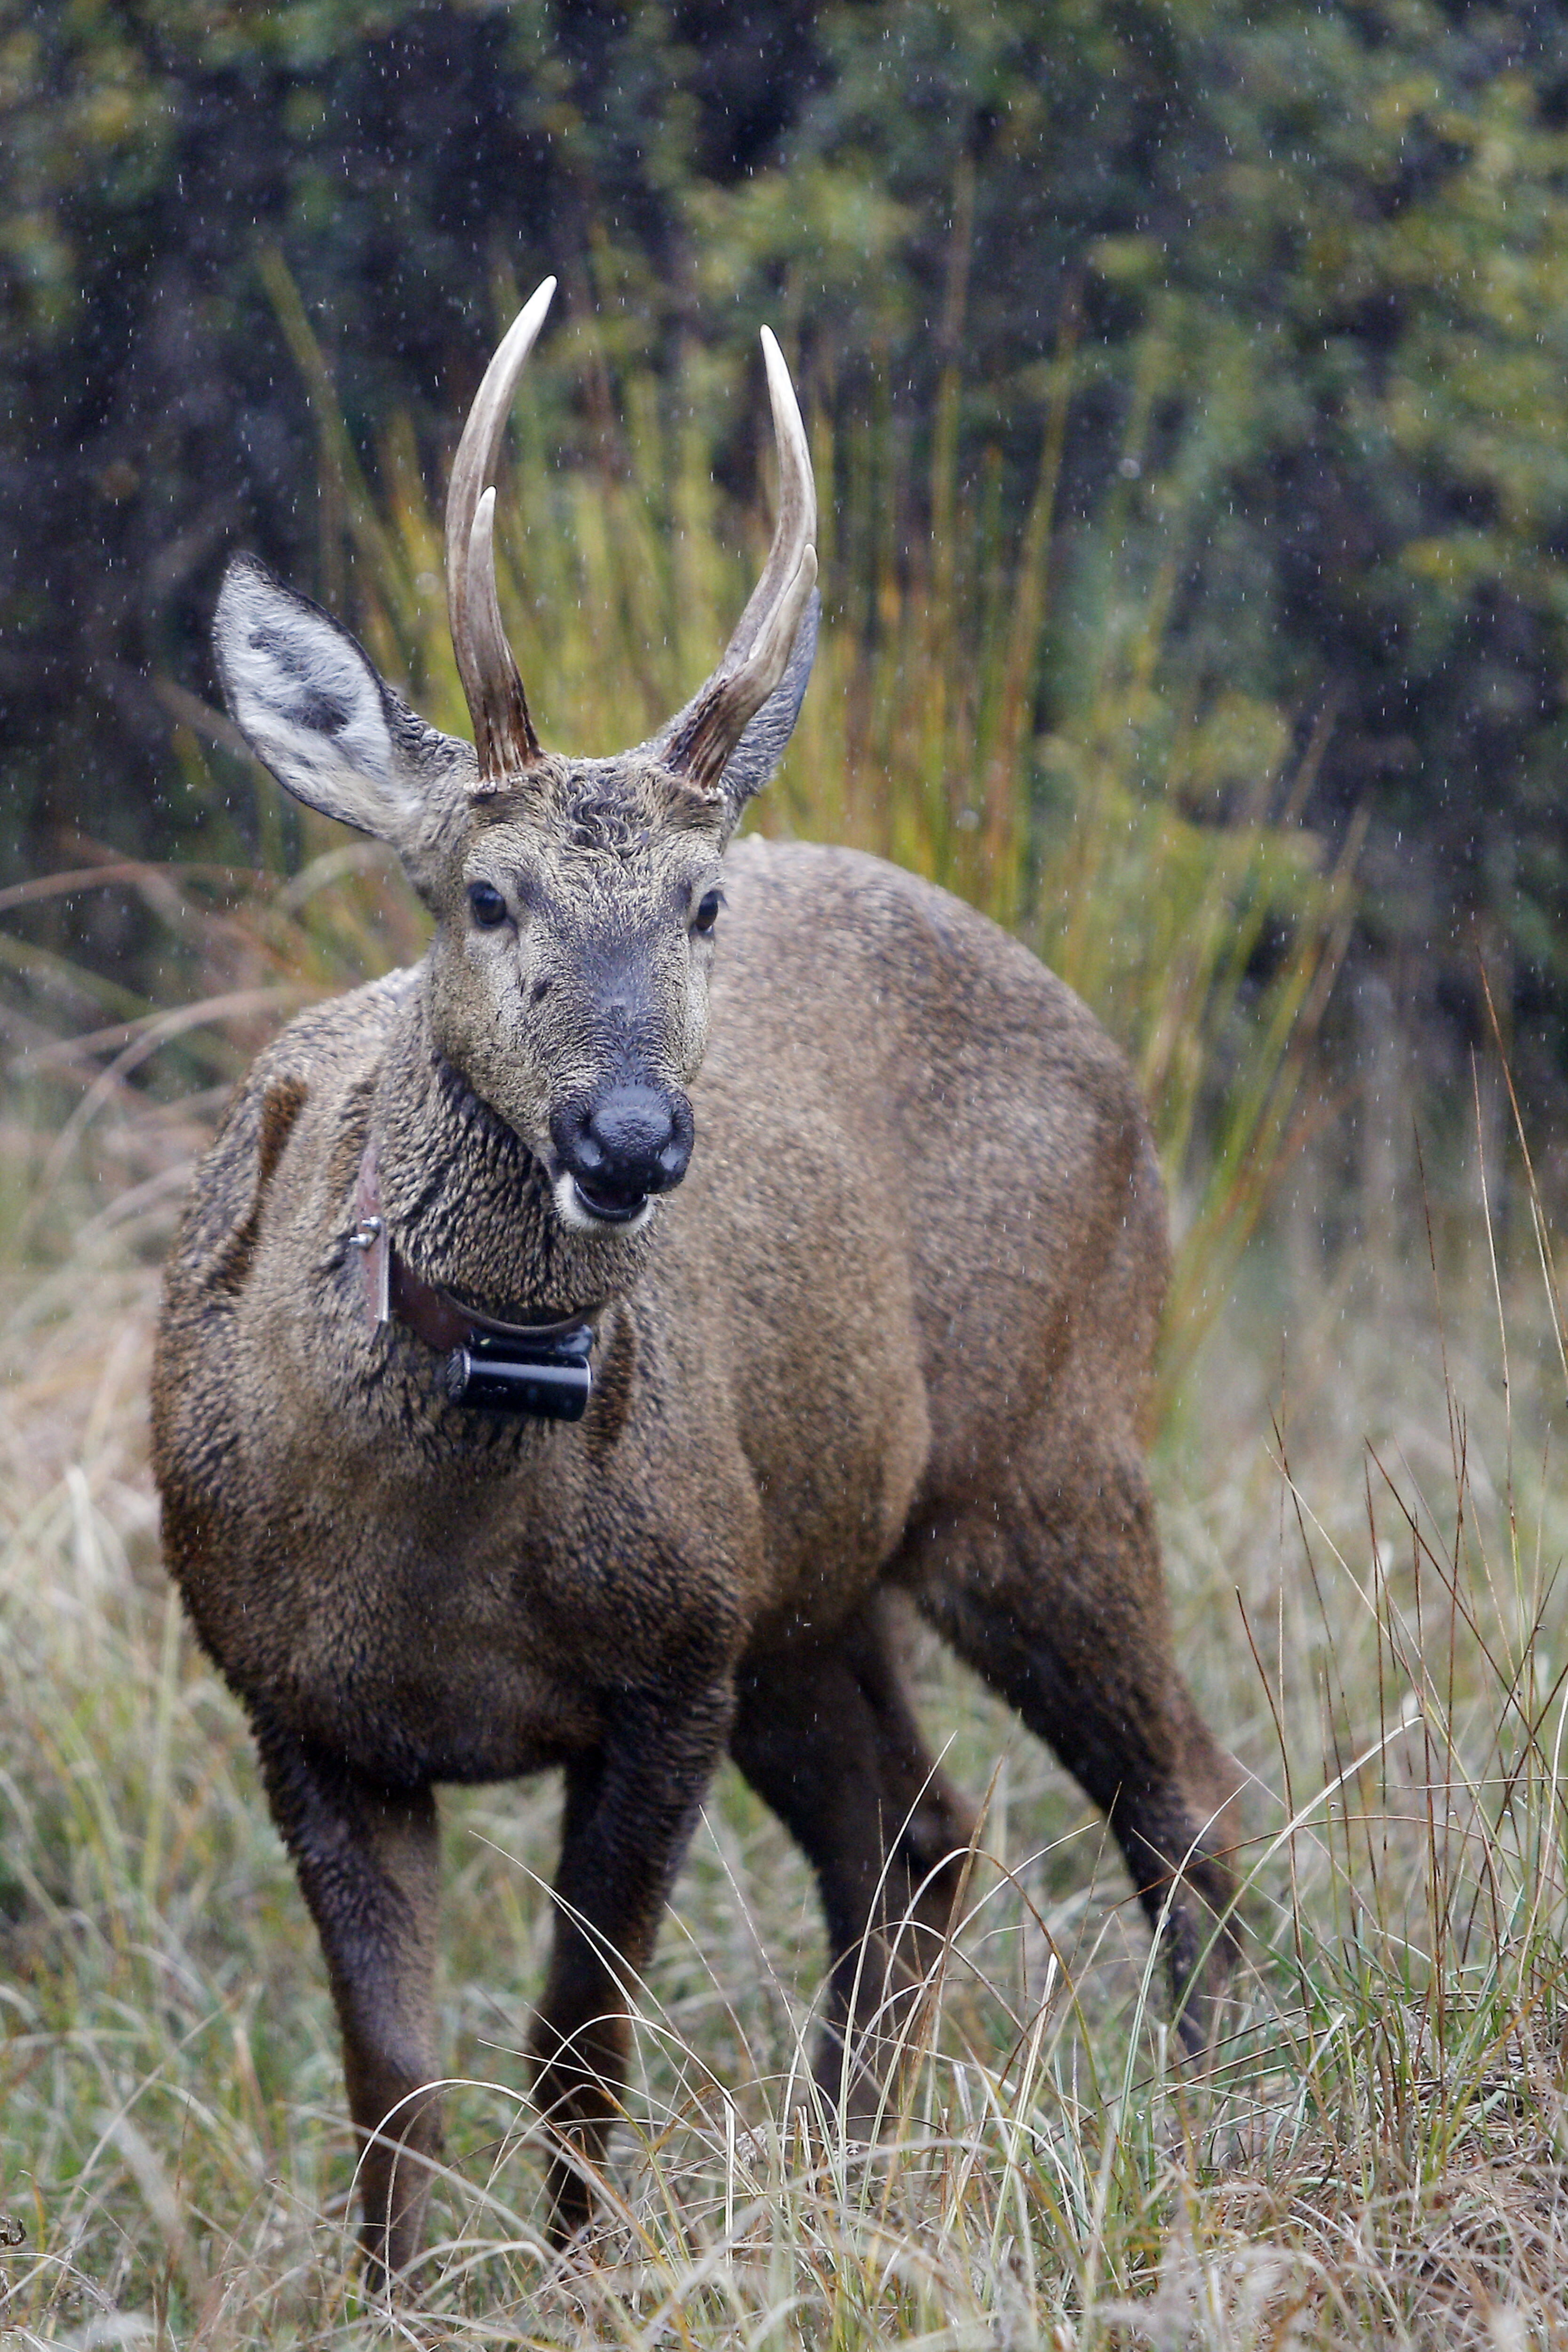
<point x="758" y="653"/>
<point x="503" y="732"/>
<point x="702" y="737"/>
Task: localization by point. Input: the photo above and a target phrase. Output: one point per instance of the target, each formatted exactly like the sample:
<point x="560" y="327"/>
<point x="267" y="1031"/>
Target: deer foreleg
<point x="367" y="1862"/>
<point x="631" y="1804"/>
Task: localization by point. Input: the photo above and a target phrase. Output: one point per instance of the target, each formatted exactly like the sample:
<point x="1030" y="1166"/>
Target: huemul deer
<point x="580" y="1348"/>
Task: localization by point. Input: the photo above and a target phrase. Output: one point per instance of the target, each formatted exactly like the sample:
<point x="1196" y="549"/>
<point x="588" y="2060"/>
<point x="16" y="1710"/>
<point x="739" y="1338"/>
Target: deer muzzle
<point x="628" y="1142"/>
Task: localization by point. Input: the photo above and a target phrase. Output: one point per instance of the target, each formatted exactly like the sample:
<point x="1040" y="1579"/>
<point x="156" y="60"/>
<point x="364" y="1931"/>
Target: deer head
<point x="576" y="900"/>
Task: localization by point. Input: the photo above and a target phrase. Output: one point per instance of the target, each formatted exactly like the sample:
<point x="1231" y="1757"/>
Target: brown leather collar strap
<point x="392" y="1288"/>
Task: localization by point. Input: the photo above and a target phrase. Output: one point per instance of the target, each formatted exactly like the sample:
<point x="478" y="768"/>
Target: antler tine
<point x="503" y="732"/>
<point x="509" y="741"/>
<point x="758" y="653"/>
<point x="795" y="528"/>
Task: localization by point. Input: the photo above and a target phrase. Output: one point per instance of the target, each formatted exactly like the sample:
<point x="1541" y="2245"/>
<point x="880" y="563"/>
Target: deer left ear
<point x="309" y="705"/>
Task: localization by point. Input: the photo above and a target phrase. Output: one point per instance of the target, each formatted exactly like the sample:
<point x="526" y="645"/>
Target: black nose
<point x="628" y="1141"/>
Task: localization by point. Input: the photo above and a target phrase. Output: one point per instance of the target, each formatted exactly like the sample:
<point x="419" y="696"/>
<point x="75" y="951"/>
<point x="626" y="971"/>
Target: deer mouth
<point x="589" y="1208"/>
<point x="611" y="1206"/>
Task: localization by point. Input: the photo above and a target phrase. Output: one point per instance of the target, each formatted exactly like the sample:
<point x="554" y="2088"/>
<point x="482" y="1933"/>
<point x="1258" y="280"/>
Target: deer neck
<point x="467" y="1204"/>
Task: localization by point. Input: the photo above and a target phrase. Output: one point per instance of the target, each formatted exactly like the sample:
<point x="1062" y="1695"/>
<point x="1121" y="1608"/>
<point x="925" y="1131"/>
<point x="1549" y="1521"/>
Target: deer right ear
<point x="309" y="705"/>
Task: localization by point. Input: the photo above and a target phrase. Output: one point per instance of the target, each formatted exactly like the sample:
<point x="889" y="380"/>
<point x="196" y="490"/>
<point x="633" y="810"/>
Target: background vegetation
<point x="1318" y="250"/>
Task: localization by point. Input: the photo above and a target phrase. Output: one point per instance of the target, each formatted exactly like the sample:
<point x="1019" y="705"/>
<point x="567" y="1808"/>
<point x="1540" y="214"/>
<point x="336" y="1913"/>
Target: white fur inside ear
<point x="308" y="702"/>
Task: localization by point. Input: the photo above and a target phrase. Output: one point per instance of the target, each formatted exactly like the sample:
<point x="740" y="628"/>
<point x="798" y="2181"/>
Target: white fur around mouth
<point x="574" y="1210"/>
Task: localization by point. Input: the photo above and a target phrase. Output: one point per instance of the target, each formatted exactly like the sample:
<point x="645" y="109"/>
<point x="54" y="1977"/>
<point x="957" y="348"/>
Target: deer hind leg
<point x="930" y="1822"/>
<point x="826" y="1737"/>
<point x="367" y="1859"/>
<point x="1058" y="1600"/>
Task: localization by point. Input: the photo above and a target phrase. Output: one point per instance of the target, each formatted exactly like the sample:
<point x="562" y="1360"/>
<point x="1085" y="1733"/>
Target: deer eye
<point x="488" y="905"/>
<point x="707" y="914"/>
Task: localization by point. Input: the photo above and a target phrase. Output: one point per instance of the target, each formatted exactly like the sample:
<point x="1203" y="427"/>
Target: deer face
<point x="575" y="901"/>
<point x="569" y="975"/>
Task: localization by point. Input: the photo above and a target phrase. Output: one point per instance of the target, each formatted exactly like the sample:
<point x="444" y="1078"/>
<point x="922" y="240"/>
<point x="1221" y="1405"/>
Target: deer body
<point x="766" y="1416"/>
<point x="889" y="1331"/>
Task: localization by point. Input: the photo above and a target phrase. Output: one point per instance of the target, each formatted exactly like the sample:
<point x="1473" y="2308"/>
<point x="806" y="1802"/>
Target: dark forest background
<point x="1313" y="261"/>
